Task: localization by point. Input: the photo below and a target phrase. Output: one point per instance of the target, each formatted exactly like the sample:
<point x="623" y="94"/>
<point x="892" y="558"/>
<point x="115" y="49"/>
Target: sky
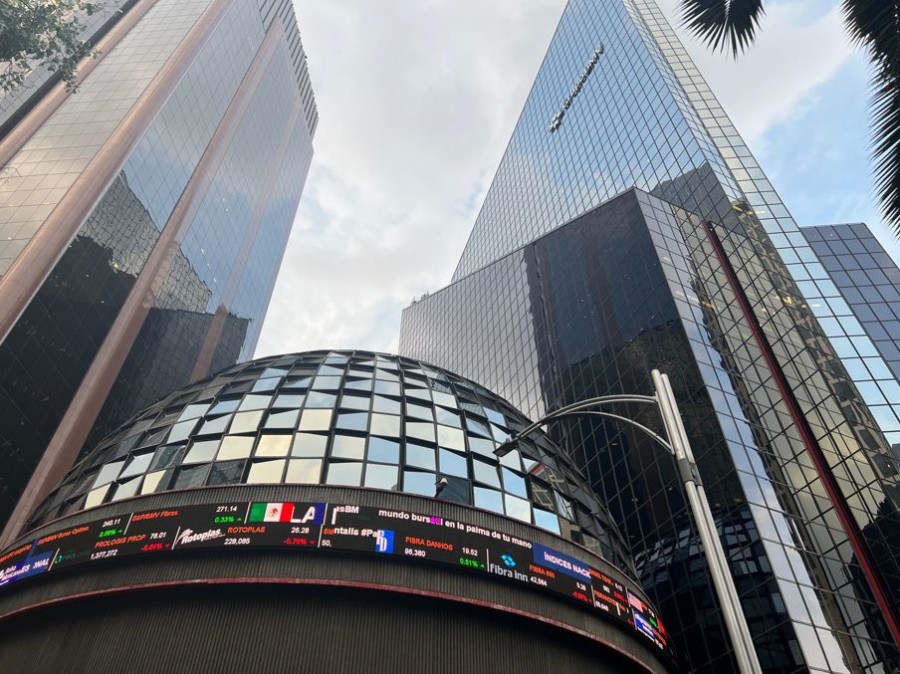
<point x="418" y="98"/>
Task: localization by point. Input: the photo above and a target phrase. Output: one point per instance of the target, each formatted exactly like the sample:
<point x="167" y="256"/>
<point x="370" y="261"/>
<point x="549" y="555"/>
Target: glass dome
<point x="352" y="418"/>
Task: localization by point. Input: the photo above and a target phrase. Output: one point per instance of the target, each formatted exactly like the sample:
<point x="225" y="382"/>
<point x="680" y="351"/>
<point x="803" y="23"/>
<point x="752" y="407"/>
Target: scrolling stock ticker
<point x="322" y="526"/>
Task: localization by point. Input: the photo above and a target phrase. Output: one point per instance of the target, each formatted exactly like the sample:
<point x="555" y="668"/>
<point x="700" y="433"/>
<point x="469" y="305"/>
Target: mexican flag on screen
<point x="272" y="512"/>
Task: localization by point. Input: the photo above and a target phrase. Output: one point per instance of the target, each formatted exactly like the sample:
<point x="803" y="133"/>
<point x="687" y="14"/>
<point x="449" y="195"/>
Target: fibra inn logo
<point x="509" y="561"/>
<point x="384" y="541"/>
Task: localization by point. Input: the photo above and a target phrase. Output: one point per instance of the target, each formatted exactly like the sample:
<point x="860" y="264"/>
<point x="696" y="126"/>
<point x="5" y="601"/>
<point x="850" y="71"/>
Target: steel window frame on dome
<point x="679" y="447"/>
<point x="557" y="496"/>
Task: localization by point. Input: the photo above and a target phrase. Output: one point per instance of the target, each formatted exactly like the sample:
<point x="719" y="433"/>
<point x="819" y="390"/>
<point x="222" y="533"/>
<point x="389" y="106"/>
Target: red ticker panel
<point x="341" y="527"/>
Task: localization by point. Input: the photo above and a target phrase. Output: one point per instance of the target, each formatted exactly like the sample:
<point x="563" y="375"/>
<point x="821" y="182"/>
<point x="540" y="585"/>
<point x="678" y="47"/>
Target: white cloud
<point x="796" y="50"/>
<point x="417" y="101"/>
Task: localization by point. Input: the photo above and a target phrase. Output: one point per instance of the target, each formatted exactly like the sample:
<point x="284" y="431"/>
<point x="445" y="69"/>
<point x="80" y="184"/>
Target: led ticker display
<point x="339" y="527"/>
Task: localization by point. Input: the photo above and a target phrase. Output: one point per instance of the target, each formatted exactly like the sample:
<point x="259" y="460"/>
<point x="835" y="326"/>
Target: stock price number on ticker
<point x="103" y="554"/>
<point x="413" y="552"/>
<point x="237" y="541"/>
<point x="581" y="593"/>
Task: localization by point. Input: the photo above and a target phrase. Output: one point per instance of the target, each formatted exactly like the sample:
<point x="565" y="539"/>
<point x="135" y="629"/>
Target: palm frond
<point x="885" y="108"/>
<point x="875" y="25"/>
<point x="722" y="24"/>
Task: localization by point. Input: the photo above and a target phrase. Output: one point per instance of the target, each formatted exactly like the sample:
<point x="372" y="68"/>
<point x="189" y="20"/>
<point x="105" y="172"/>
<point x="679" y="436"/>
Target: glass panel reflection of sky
<point x="226" y="430"/>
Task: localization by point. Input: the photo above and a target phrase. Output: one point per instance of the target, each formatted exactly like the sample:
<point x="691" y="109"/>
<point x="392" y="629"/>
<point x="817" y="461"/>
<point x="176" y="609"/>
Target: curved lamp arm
<point x="582" y="405"/>
<point x="506" y="447"/>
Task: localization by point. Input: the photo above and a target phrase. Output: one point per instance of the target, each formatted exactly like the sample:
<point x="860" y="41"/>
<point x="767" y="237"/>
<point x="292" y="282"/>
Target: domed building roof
<point x="349" y="418"/>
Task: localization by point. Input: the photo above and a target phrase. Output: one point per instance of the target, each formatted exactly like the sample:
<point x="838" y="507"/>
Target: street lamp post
<point x="679" y="447"/>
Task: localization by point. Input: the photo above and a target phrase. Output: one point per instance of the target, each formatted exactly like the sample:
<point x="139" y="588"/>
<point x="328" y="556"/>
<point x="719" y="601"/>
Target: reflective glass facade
<point x="865" y="303"/>
<point x="597" y="304"/>
<point x="15" y="102"/>
<point x="699" y="273"/>
<point x="48" y="164"/>
<point x="351" y="418"/>
<point x="152" y="291"/>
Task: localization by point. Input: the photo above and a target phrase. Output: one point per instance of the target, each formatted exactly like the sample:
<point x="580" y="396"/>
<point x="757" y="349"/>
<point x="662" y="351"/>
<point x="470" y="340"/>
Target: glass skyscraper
<point x="866" y="299"/>
<point x="142" y="222"/>
<point x="629" y="227"/>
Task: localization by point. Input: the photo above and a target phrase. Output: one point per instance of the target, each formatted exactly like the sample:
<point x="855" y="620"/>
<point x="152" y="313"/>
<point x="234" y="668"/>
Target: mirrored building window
<point x="304" y="419"/>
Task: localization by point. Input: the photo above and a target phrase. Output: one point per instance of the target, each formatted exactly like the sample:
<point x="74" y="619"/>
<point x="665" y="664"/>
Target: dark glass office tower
<point x="867" y="301"/>
<point x="678" y="254"/>
<point x="142" y="222"/>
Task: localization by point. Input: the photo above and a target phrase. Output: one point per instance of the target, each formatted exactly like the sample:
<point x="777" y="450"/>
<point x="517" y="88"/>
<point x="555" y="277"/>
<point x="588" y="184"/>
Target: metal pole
<point x="680" y="448"/>
<point x="735" y="622"/>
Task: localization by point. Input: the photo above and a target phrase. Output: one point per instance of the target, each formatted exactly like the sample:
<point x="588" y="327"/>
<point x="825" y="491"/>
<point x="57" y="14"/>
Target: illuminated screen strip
<point x="340" y="527"/>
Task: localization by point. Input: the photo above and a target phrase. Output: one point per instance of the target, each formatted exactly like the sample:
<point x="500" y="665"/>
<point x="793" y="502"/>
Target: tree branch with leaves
<point x="42" y="33"/>
<point x="873" y="25"/>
